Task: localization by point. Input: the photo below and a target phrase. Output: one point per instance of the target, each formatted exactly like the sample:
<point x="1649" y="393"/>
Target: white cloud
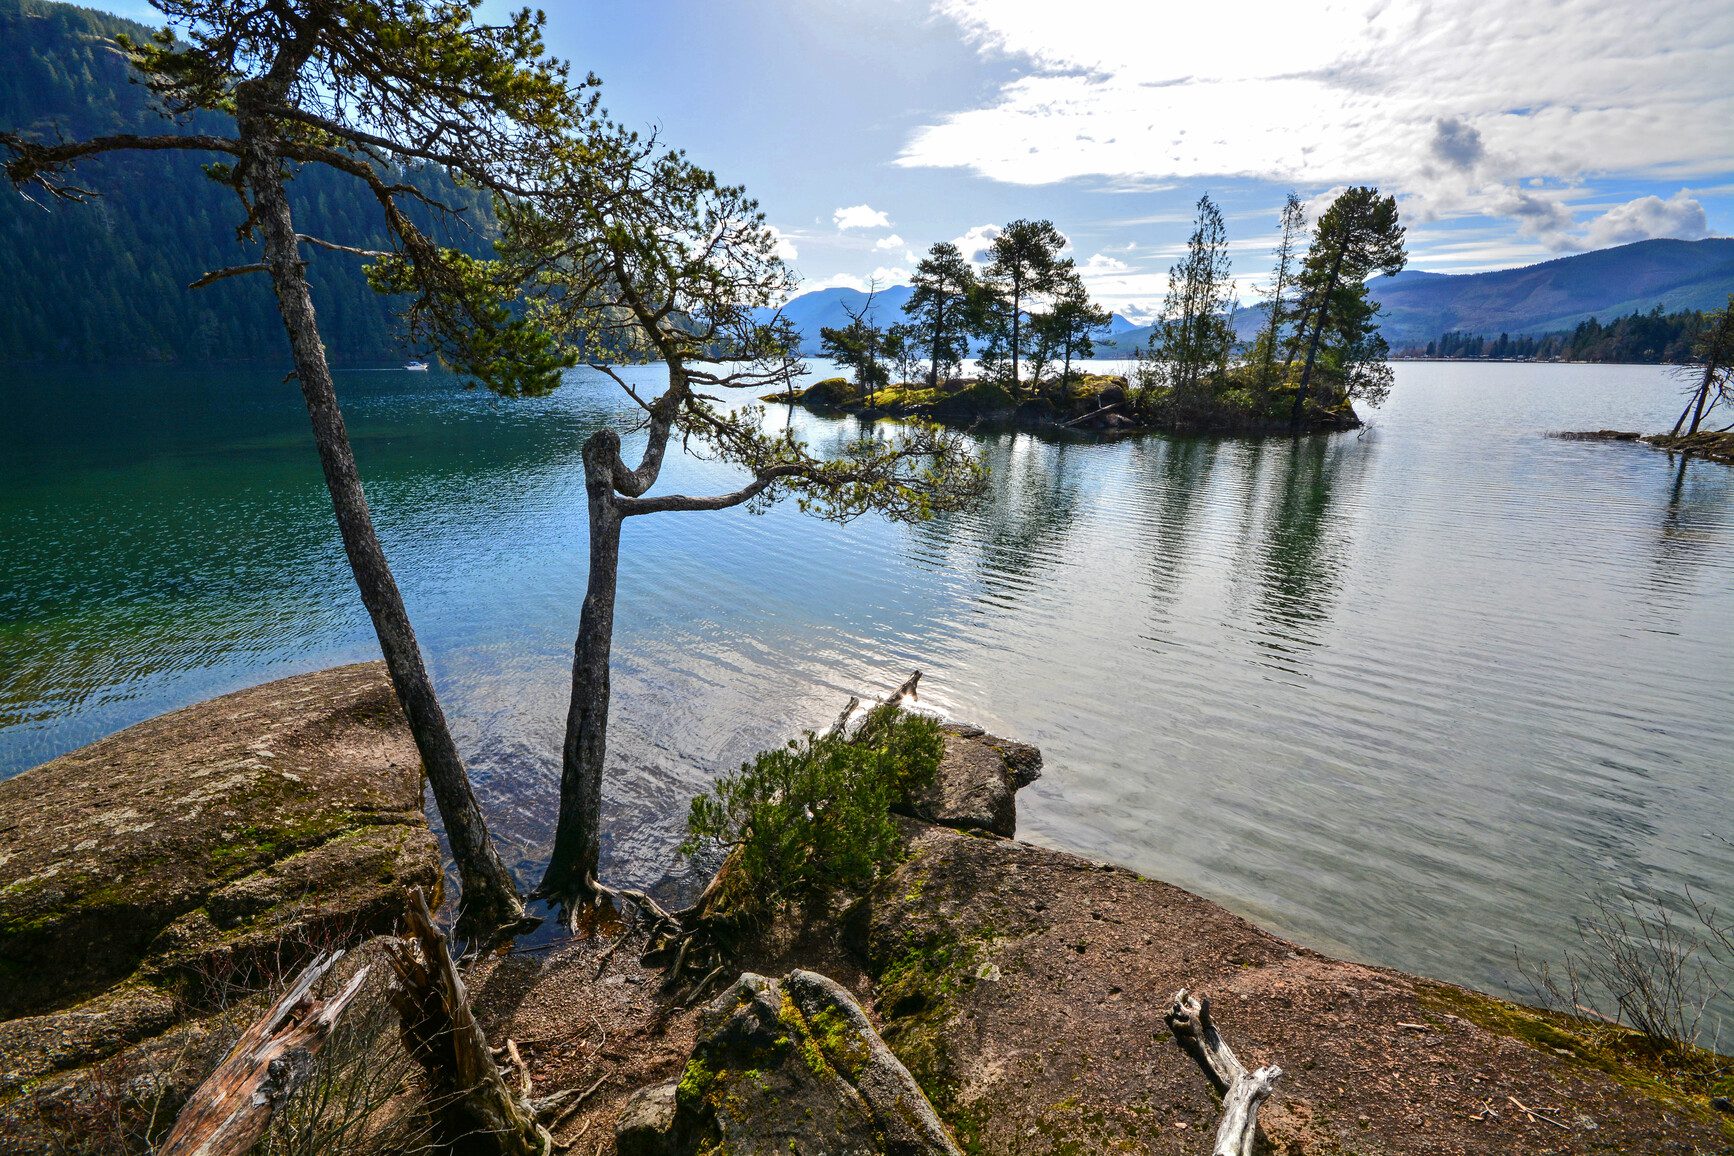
<point x="1639" y="220"/>
<point x="1102" y="263"/>
<point x="892" y="241"/>
<point x="885" y="276"/>
<point x="860" y="217"/>
<point x="974" y="244"/>
<point x="784" y="247"/>
<point x="1454" y="105"/>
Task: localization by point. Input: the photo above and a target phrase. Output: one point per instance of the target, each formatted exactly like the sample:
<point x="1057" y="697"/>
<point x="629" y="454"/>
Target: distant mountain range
<point x="1419" y="306"/>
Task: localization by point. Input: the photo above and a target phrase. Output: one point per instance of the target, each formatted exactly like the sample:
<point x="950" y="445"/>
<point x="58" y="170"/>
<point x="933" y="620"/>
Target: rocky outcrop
<point x="976" y="786"/>
<point x="150" y="876"/>
<point x="785" y="1066"/>
<point x="1025" y="990"/>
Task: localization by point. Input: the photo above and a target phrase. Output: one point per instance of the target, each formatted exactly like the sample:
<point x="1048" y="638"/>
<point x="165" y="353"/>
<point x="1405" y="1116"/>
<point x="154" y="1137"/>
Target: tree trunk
<point x="475" y="1111"/>
<point x="938" y="337"/>
<point x="1300" y="397"/>
<point x="489" y="900"/>
<point x="1703" y="395"/>
<point x="573" y="867"/>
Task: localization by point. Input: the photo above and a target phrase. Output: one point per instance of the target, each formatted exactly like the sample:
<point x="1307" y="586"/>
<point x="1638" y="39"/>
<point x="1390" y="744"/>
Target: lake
<point x="1415" y="694"/>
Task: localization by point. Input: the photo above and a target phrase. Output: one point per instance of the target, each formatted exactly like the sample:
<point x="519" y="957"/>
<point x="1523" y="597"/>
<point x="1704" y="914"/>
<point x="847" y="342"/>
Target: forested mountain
<point x="108" y="280"/>
<point x="1557" y="295"/>
<point x="1652" y="338"/>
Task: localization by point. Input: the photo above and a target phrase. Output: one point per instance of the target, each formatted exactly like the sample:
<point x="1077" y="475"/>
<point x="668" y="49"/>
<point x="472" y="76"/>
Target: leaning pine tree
<point x="366" y="90"/>
<point x="642" y="250"/>
<point x="1337" y="325"/>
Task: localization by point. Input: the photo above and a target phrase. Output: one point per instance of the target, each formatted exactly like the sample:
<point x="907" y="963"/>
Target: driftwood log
<point x="1242" y="1092"/>
<point x="229" y="1112"/>
<point x="474" y="1110"/>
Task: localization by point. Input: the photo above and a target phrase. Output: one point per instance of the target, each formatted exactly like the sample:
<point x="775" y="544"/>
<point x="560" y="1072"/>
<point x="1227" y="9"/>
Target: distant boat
<point x="417" y="366"/>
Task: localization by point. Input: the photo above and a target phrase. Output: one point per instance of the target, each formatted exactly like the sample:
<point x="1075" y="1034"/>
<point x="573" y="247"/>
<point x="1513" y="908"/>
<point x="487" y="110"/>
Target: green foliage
<point x="1065" y="332"/>
<point x="1652" y="338"/>
<point x="858" y="345"/>
<point x="1024" y="266"/>
<point x="814" y="816"/>
<point x="943" y="308"/>
<point x="1336" y="338"/>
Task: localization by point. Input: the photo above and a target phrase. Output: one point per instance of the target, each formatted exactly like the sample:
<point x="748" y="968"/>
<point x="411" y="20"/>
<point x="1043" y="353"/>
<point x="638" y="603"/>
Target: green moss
<point x="695" y="1083"/>
<point x="1681" y="1078"/>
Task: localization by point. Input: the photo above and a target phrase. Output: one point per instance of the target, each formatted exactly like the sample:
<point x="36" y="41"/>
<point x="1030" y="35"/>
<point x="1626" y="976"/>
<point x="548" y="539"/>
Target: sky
<point x="870" y="129"/>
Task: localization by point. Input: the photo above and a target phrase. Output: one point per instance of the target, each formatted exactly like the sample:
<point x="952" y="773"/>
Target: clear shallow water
<point x="1414" y="694"/>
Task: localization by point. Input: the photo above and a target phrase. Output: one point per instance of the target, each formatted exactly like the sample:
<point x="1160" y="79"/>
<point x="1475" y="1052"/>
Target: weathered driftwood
<point x="474" y="1110"/>
<point x="1242" y="1091"/>
<point x="905" y="690"/>
<point x="229" y="1112"/>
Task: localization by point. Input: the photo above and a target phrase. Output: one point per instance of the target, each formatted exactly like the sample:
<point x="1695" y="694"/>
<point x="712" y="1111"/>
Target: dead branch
<point x="1242" y="1091"/>
<point x="216" y="275"/>
<point x="230" y="1111"/>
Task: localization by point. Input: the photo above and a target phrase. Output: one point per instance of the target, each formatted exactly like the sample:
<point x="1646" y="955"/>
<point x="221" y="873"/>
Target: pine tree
<point x="940" y="308"/>
<point x="1189" y="347"/>
<point x="1024" y="265"/>
<point x="1357" y="237"/>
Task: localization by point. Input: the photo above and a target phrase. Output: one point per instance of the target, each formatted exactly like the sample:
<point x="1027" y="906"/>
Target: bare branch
<point x="216" y="275"/>
<point x="336" y="248"/>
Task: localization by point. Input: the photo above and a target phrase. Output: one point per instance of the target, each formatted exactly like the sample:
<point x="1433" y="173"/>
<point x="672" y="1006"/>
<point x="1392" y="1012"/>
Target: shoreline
<point x="1022" y="986"/>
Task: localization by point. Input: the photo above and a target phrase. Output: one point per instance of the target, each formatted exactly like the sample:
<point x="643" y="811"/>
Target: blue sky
<point x="869" y="130"/>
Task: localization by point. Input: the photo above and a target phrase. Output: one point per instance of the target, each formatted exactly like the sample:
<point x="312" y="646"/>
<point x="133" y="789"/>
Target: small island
<point x="1027" y="312"/>
<point x="1101" y="403"/>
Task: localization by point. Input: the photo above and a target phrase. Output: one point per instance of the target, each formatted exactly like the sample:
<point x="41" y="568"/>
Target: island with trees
<point x="1317" y="352"/>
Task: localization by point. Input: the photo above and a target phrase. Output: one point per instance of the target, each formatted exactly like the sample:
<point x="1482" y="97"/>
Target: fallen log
<point x="229" y="1112"/>
<point x="474" y="1111"/>
<point x="1093" y="413"/>
<point x="1242" y="1092"/>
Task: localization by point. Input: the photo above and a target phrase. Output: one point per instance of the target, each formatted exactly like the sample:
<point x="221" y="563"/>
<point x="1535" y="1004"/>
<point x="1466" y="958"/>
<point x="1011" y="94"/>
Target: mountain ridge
<point x="1419" y="305"/>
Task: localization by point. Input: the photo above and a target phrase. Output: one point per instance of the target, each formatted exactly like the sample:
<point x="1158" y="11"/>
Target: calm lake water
<point x="1415" y="694"/>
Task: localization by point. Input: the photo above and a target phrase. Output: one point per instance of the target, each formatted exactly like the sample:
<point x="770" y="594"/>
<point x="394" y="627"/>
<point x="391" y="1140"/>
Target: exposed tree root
<point x="473" y="1107"/>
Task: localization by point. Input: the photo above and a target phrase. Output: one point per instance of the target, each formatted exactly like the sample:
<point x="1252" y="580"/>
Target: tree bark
<point x="229" y="1112"/>
<point x="489" y="901"/>
<point x="573" y="867"/>
<point x="1242" y="1092"/>
<point x="476" y="1112"/>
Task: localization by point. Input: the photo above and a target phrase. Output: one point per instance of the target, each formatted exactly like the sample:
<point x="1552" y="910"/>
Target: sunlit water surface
<point x="1416" y="694"/>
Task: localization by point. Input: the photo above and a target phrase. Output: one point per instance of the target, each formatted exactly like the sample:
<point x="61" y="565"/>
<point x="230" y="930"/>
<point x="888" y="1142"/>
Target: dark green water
<point x="1415" y="694"/>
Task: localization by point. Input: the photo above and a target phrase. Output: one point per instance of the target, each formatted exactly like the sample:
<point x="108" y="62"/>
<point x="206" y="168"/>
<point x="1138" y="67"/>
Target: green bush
<point x="814" y="816"/>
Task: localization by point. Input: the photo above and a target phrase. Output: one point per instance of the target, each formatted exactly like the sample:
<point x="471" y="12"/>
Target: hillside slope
<point x="108" y="280"/>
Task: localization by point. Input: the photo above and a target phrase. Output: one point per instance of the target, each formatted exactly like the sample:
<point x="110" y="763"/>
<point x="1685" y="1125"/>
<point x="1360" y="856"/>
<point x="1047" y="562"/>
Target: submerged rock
<point x="785" y="1066"/>
<point x="153" y="874"/>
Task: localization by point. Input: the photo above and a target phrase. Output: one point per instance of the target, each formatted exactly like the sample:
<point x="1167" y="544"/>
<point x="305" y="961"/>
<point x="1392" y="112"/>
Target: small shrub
<point x="814" y="816"/>
<point x="1647" y="967"/>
